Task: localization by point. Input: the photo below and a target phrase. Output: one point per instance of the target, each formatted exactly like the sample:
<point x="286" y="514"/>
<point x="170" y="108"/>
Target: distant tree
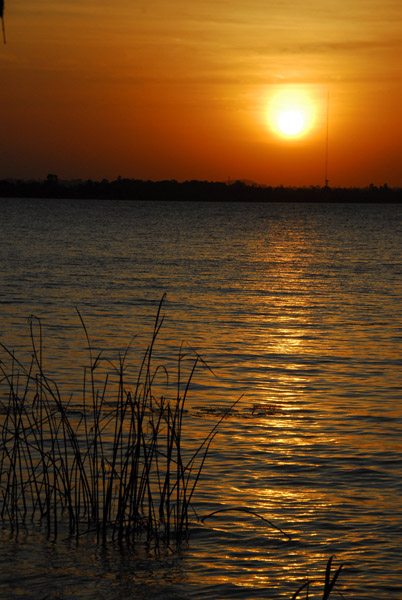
<point x="52" y="179"/>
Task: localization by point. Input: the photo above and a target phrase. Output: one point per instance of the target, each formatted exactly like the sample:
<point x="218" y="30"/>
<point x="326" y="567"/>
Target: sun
<point x="290" y="113"/>
<point x="291" y="122"/>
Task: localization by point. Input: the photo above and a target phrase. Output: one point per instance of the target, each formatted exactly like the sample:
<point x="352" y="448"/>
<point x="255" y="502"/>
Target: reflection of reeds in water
<point x="117" y="467"/>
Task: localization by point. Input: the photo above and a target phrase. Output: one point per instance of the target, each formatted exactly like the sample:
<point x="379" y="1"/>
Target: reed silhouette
<point x="114" y="466"/>
<point x="329" y="582"/>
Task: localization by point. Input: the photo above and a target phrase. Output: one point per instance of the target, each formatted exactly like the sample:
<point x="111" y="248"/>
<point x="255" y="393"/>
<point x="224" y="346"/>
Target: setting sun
<point x="291" y="113"/>
<point x="291" y="122"/>
<point x="204" y="90"/>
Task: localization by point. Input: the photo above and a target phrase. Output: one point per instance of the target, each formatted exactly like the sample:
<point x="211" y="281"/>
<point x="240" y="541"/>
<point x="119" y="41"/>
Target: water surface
<point x="293" y="306"/>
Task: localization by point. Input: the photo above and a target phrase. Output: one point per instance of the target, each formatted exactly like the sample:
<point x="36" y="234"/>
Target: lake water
<point x="295" y="307"/>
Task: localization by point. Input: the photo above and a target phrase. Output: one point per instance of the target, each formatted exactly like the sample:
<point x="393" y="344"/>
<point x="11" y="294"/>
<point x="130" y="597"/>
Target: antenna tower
<point x="326" y="144"/>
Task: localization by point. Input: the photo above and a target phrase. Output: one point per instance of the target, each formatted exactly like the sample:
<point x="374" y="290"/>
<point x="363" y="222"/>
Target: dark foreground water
<point x="293" y="306"/>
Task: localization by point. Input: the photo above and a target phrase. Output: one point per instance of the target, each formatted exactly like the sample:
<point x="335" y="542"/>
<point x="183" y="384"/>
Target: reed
<point x="329" y="582"/>
<point x="115" y="467"/>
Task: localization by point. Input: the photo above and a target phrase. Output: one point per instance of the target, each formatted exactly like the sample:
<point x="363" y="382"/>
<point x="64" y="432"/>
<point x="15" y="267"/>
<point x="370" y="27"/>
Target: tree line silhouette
<point x="236" y="191"/>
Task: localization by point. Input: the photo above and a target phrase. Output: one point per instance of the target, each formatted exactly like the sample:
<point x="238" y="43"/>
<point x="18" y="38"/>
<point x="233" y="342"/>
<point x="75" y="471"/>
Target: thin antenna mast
<point x="326" y="144"/>
<point x="2" y="19"/>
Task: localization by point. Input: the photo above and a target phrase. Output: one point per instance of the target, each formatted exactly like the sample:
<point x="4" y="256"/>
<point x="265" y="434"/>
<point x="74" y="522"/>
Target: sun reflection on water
<point x="294" y="307"/>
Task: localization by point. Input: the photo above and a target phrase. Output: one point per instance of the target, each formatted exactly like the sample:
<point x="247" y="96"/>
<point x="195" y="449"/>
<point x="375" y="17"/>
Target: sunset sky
<point x="172" y="89"/>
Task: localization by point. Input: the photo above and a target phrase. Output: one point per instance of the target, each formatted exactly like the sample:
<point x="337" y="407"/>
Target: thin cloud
<point x="320" y="47"/>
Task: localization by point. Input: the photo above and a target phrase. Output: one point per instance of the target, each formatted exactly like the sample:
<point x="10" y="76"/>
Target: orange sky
<point x="172" y="89"/>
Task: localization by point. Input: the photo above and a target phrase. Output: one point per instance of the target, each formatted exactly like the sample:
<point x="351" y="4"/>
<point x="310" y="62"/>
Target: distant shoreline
<point x="207" y="191"/>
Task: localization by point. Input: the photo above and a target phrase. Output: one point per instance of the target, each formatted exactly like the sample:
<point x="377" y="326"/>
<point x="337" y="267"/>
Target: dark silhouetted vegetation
<point x="329" y="582"/>
<point x="113" y="464"/>
<point x="206" y="191"/>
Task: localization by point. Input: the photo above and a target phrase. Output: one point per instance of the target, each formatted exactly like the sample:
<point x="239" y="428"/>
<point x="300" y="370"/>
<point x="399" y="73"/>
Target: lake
<point x="296" y="310"/>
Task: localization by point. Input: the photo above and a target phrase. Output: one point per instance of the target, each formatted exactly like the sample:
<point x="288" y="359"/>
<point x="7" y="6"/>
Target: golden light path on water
<point x="296" y="309"/>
